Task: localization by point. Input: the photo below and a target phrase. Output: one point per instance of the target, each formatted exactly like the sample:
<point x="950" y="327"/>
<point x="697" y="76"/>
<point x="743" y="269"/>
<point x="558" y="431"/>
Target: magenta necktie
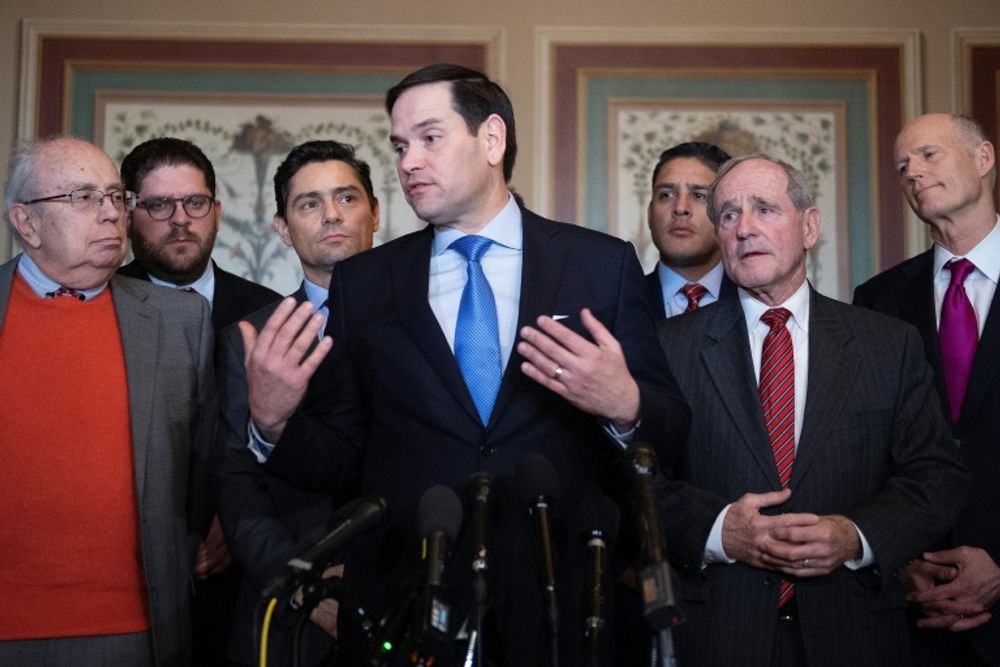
<point x="777" y="399"/>
<point x="959" y="335"/>
<point x="693" y="292"/>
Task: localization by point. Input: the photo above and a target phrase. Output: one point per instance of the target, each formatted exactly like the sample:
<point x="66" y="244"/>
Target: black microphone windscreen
<point x="439" y="509"/>
<point x="598" y="513"/>
<point x="535" y="476"/>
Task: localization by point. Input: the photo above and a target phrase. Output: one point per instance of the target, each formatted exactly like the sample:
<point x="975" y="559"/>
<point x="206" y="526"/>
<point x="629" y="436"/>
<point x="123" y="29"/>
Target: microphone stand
<point x="312" y="594"/>
<point x="479" y="607"/>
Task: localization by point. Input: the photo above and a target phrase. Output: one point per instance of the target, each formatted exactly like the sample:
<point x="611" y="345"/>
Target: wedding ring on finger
<point x="557" y="373"/>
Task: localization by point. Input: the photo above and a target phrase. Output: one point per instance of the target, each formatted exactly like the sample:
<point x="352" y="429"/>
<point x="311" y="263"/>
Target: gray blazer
<point x="167" y="342"/>
<point x="874" y="447"/>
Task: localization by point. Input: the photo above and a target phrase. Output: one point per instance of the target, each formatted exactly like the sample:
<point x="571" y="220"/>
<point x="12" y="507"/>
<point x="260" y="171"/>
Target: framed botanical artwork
<point x="246" y="96"/>
<point x="831" y="104"/>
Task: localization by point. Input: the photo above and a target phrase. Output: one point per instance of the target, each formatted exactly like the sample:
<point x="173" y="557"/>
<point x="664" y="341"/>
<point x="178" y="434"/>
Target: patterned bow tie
<point x="66" y="291"/>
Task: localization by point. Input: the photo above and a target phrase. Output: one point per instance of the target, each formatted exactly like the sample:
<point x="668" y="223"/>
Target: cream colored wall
<point x="518" y="20"/>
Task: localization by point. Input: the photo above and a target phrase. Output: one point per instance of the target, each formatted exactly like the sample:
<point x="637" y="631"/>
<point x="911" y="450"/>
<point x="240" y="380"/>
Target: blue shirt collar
<point x="41" y="284"/>
<point x="505" y="229"/>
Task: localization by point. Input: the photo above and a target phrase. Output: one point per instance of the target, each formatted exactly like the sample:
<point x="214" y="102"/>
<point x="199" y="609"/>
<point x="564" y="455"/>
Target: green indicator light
<point x="386" y="646"/>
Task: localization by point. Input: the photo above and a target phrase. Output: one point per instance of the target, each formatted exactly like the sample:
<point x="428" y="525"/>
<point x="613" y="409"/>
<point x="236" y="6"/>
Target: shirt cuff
<point x="867" y="555"/>
<point x="714" y="552"/>
<point x="261" y="448"/>
<point x="623" y="439"/>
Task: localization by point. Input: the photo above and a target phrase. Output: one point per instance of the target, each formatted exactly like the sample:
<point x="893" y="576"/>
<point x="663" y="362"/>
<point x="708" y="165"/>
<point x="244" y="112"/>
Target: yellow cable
<point x="265" y="630"/>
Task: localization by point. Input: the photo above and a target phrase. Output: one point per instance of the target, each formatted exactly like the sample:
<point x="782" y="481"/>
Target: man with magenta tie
<point x="947" y="170"/>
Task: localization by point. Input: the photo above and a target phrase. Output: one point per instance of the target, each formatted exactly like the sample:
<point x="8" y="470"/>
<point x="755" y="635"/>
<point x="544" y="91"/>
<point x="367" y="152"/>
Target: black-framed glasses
<point x="91" y="198"/>
<point x="162" y="208"/>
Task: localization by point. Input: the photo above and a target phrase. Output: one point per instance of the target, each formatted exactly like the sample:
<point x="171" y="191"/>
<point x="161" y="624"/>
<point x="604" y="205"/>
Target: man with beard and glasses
<point x="173" y="230"/>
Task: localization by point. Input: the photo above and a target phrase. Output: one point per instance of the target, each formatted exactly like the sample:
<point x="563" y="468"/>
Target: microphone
<point x="480" y="497"/>
<point x="659" y="603"/>
<point x="538" y="489"/>
<point x="597" y="521"/>
<point x="439" y="517"/>
<point x="365" y="515"/>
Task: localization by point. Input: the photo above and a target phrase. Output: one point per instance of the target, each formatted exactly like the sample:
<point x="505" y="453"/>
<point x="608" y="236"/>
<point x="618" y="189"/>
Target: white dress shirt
<point x="757" y="330"/>
<point x="981" y="284"/>
<point x="671" y="283"/>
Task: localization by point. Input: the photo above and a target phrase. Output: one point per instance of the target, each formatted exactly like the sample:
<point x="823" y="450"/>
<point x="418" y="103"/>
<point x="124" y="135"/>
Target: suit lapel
<point x="410" y="275"/>
<point x="730" y="367"/>
<point x="833" y="366"/>
<point x="224" y="302"/>
<point x="985" y="365"/>
<point x="542" y="265"/>
<point x="137" y="323"/>
<point x="916" y="306"/>
<point x="7" y="271"/>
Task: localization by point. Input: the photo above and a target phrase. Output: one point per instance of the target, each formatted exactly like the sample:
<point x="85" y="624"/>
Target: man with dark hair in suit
<point x="819" y="462"/>
<point x="326" y="211"/>
<point x="947" y="169"/>
<point x="108" y="407"/>
<point x="173" y="229"/>
<point x="690" y="272"/>
<point x="428" y="384"/>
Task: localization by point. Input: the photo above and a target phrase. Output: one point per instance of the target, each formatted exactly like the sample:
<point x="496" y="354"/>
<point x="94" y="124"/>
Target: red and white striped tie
<point x="777" y="399"/>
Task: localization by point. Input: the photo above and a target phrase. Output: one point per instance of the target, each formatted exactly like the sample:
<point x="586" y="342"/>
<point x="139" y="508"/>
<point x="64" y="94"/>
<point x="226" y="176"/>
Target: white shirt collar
<point x="797" y="303"/>
<point x="985" y="255"/>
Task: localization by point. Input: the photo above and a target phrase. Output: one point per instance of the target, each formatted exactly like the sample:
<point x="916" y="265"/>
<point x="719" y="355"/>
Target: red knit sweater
<point x="70" y="562"/>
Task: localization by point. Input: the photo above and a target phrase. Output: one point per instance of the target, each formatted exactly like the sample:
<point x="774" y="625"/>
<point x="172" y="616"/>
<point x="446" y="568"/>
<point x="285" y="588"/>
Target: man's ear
<point x="25" y="224"/>
<point x="495" y="133"/>
<point x="280" y="227"/>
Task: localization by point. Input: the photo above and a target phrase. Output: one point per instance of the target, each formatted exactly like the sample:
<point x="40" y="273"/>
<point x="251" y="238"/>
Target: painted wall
<point x="518" y="19"/>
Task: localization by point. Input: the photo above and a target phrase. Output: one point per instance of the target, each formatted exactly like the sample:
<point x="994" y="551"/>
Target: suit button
<point x="487" y="449"/>
<point x="768" y="583"/>
<point x="958" y="443"/>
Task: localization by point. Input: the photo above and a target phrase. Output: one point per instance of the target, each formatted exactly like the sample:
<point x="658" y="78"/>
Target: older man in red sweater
<point x="108" y="409"/>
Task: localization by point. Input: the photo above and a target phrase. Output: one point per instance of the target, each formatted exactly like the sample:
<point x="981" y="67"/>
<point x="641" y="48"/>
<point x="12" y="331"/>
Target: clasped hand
<point x="799" y="544"/>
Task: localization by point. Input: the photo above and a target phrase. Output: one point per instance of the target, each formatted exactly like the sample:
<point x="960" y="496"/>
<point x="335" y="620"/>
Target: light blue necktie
<point x="477" y="334"/>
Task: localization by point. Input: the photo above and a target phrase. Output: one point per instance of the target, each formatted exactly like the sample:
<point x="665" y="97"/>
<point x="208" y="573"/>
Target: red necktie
<point x="693" y="292"/>
<point x="777" y="399"/>
<point x="959" y="334"/>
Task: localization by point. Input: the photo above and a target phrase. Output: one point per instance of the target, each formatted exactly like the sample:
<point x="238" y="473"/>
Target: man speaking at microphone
<point x="428" y="382"/>
<point x="819" y="461"/>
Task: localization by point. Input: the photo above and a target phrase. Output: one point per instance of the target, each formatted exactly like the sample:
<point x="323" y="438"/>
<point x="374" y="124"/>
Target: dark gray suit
<point x="874" y="447"/>
<point x="167" y="343"/>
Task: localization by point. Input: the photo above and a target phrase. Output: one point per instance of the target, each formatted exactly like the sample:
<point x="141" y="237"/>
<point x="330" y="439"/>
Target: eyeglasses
<point x="89" y="198"/>
<point x="162" y="208"/>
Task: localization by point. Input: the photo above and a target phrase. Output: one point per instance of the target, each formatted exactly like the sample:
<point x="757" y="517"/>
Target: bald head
<point x="77" y="241"/>
<point x="947" y="170"/>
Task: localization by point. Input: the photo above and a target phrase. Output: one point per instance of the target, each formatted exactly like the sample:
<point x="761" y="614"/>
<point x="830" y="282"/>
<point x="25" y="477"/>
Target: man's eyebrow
<point x="422" y="125"/>
<point x="316" y="194"/>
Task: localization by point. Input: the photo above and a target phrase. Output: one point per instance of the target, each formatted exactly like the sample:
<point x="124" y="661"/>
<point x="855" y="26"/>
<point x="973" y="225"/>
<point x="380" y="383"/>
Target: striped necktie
<point x="777" y="399"/>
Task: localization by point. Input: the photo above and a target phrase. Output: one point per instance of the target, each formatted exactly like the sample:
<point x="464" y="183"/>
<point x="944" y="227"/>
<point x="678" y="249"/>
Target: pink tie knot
<point x="960" y="270"/>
